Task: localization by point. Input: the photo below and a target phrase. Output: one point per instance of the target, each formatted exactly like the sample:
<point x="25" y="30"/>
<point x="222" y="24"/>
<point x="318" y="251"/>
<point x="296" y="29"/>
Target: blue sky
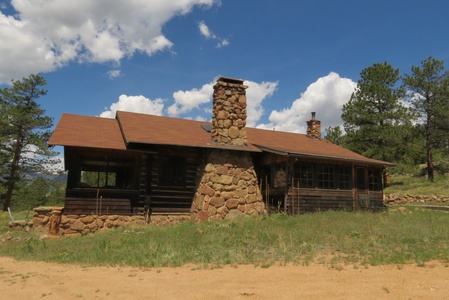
<point x="152" y="57"/>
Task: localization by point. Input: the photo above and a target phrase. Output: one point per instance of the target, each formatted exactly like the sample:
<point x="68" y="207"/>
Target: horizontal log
<point x="94" y="205"/>
<point x="170" y="209"/>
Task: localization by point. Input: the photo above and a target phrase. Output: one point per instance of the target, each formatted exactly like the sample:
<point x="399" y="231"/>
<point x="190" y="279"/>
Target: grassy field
<point x="414" y="185"/>
<point x="357" y="238"/>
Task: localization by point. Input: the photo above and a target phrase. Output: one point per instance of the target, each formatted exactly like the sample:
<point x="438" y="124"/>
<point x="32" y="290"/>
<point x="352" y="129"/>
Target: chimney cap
<point x="313" y="115"/>
<point x="230" y="80"/>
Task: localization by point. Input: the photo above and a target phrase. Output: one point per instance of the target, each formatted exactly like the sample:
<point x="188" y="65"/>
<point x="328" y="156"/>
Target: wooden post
<point x="266" y="192"/>
<point x="101" y="199"/>
<point x="96" y="202"/>
<point x="55" y="220"/>
<point x="297" y="192"/>
<point x="292" y="194"/>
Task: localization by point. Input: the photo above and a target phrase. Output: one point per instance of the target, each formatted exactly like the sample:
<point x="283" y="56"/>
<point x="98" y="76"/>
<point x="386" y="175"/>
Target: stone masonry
<point x="228" y="188"/>
<point x="51" y="220"/>
<point x="229" y="112"/>
<point x="314" y="128"/>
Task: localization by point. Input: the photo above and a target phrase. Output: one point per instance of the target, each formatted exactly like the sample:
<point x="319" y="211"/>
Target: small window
<point x="98" y="179"/>
<point x="344" y="178"/>
<point x="360" y="179"/>
<point x="172" y="171"/>
<point x="374" y="180"/>
<point x="304" y="172"/>
<point x="325" y="177"/>
<point x="279" y="176"/>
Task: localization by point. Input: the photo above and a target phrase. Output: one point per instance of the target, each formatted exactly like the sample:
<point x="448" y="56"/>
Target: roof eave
<point x="212" y="146"/>
<point x="299" y="154"/>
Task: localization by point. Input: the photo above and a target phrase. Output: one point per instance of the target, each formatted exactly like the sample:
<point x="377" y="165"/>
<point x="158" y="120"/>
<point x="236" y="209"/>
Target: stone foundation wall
<point x="228" y="188"/>
<point x="51" y="220"/>
<point x="390" y="199"/>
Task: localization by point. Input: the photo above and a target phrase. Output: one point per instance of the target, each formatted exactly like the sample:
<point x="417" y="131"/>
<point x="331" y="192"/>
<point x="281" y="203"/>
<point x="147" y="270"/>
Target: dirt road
<point x="38" y="280"/>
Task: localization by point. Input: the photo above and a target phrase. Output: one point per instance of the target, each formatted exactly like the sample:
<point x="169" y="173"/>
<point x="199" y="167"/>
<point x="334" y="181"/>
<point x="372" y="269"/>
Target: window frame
<point x="323" y="176"/>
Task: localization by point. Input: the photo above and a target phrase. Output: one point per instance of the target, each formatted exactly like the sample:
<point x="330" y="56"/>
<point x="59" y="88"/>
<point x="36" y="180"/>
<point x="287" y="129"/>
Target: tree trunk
<point x="429" y="164"/>
<point x="11" y="184"/>
<point x="429" y="145"/>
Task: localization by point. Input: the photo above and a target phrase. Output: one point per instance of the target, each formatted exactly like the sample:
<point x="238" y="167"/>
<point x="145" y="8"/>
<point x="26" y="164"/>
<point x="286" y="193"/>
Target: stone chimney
<point x="314" y="128"/>
<point x="229" y="112"/>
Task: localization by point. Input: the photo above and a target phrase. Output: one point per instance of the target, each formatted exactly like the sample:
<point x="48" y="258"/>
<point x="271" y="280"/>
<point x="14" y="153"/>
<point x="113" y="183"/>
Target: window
<point x="344" y="178"/>
<point x="97" y="179"/>
<point x="325" y="177"/>
<point x="172" y="171"/>
<point x="360" y="179"/>
<point x="117" y="173"/>
<point x="374" y="180"/>
<point x="304" y="172"/>
<point x="279" y="176"/>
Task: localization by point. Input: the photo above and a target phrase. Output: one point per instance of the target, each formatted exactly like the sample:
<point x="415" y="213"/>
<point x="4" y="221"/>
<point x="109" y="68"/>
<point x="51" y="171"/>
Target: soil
<point x="40" y="280"/>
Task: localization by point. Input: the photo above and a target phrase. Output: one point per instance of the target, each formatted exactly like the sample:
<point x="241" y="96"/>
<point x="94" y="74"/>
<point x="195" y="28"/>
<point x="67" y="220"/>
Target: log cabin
<point x="145" y="164"/>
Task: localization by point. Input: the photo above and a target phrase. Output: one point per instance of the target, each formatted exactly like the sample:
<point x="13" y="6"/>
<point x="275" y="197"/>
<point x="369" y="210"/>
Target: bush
<point x="38" y="192"/>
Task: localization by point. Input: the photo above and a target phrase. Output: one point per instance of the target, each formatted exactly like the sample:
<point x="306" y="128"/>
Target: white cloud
<point x="208" y="34"/>
<point x="113" y="73"/>
<point x="200" y="118"/>
<point x="326" y="97"/>
<point x="46" y="35"/>
<point x="223" y="43"/>
<point x="204" y="30"/>
<point x="186" y="101"/>
<point x="139" y="104"/>
<point x="255" y="94"/>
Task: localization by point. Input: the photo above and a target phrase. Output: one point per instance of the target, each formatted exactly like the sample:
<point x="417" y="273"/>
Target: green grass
<point x="356" y="238"/>
<point x="21" y="215"/>
<point x="414" y="185"/>
<point x="328" y="237"/>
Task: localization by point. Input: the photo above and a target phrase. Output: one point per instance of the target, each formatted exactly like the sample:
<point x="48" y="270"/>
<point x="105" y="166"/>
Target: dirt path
<point x="38" y="280"/>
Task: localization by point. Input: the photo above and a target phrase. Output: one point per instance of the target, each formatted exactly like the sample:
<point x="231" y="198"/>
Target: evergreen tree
<point x="334" y="135"/>
<point x="429" y="93"/>
<point x="375" y="120"/>
<point x="24" y="133"/>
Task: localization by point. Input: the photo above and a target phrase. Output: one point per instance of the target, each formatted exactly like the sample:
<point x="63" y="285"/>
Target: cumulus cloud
<point x="255" y="94"/>
<point x="186" y="101"/>
<point x="139" y="104"/>
<point x="46" y="35"/>
<point x="208" y="34"/>
<point x="326" y="97"/>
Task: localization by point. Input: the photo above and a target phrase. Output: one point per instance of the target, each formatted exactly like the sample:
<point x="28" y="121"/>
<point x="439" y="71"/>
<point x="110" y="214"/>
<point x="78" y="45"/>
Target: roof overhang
<point x="325" y="157"/>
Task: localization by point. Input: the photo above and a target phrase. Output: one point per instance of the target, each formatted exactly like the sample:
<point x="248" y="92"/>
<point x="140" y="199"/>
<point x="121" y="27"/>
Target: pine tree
<point x="24" y="133"/>
<point x="375" y="120"/>
<point x="429" y="93"/>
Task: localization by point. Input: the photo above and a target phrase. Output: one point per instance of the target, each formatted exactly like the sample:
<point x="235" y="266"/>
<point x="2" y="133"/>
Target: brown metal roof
<point x="83" y="131"/>
<point x="134" y="128"/>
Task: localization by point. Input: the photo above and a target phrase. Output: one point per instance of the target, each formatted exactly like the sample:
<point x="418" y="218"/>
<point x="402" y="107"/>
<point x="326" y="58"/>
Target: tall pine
<point x="24" y="133"/>
<point x="429" y="92"/>
<point x="375" y="120"/>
